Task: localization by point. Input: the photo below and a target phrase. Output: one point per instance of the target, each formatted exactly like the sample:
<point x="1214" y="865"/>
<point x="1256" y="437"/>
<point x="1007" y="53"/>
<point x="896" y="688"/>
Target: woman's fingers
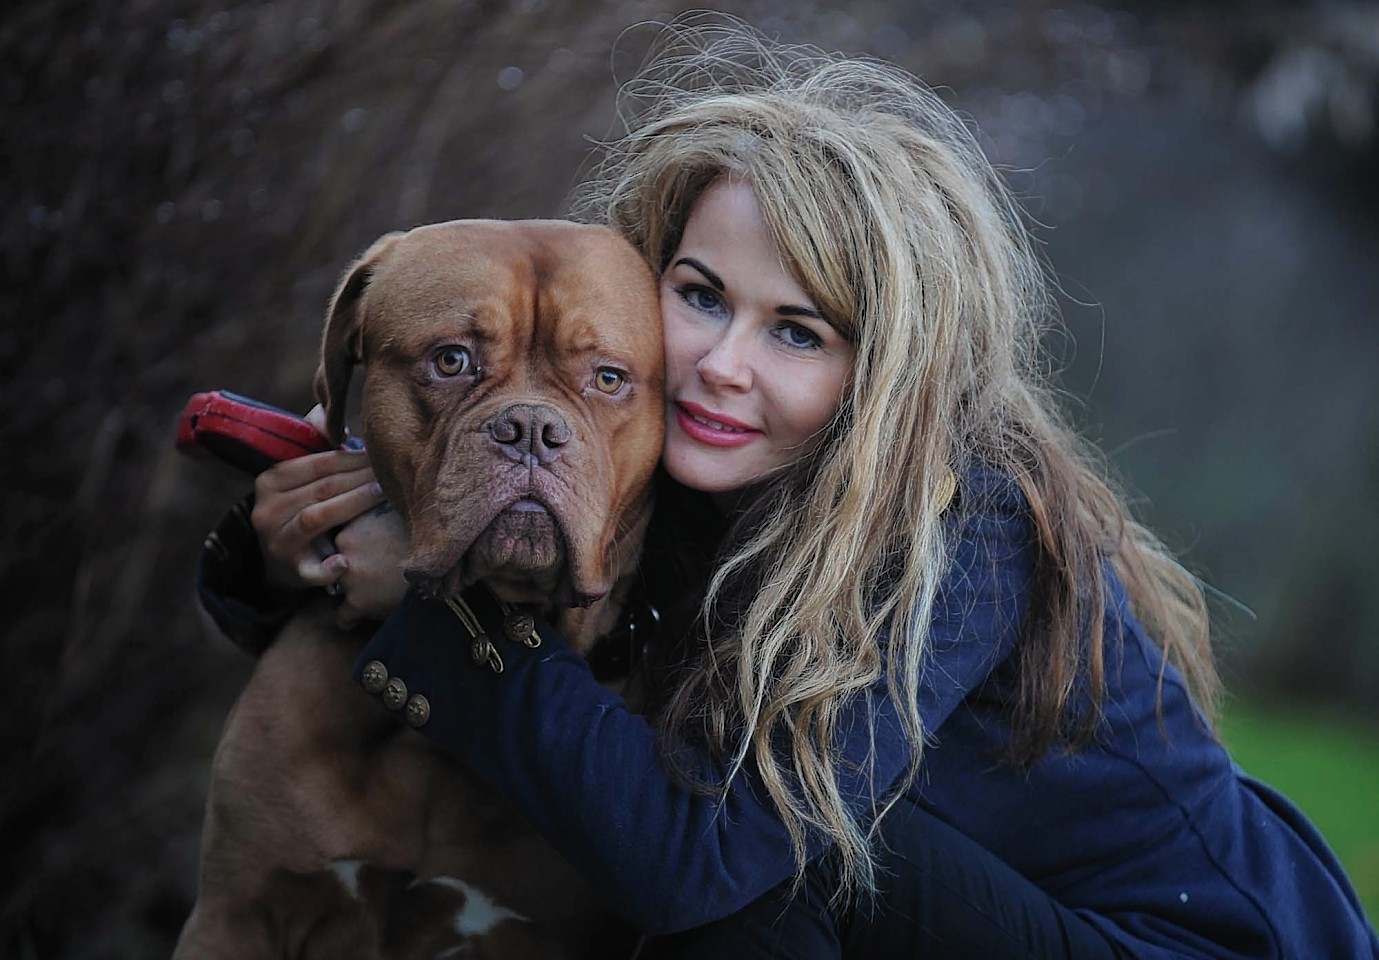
<point x="288" y="522"/>
<point x="332" y="502"/>
<point x="322" y="571"/>
<point x="375" y="548"/>
<point x="302" y="471"/>
<point x="297" y="503"/>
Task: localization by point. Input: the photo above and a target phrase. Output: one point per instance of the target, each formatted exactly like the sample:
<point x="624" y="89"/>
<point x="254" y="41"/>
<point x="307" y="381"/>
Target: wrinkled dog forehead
<point x="573" y="287"/>
<point x="555" y="286"/>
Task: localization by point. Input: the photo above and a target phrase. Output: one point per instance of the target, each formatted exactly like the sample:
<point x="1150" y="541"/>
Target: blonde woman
<point x="922" y="687"/>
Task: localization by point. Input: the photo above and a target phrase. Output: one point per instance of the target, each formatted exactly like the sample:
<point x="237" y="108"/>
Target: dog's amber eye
<point x="609" y="380"/>
<point x="453" y="361"/>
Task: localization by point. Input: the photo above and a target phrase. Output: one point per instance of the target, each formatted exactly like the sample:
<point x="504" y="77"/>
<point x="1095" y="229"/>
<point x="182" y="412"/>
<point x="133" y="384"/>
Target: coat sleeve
<point x="232" y="586"/>
<point x="590" y="774"/>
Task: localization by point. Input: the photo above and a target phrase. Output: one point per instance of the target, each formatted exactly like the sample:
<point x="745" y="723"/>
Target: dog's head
<point x="512" y="400"/>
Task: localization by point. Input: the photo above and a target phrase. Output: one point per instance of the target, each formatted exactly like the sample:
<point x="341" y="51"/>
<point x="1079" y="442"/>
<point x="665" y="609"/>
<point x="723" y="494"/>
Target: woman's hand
<point x="375" y="548"/>
<point x="297" y="503"/>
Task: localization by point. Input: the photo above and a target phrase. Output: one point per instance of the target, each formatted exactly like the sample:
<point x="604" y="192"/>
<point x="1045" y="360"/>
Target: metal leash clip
<point x="481" y="650"/>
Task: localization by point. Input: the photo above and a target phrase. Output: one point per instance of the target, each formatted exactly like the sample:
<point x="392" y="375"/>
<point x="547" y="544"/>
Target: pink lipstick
<point x="710" y="428"/>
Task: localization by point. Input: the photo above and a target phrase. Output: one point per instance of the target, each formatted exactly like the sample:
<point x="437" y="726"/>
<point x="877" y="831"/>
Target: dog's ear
<point x="341" y="342"/>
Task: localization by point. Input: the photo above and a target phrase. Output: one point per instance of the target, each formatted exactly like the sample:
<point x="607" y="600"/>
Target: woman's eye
<point x="702" y="298"/>
<point x="799" y="336"/>
<point x="452" y="361"/>
<point x="609" y="380"/>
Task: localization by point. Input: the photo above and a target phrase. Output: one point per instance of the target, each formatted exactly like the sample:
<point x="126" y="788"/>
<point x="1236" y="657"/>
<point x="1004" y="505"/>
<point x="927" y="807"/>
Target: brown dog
<point x="512" y="412"/>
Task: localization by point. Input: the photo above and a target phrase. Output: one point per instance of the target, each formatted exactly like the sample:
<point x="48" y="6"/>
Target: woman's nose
<point x="727" y="362"/>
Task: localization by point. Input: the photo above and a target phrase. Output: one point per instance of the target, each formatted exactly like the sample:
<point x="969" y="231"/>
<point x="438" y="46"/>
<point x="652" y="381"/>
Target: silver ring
<point x="335" y="589"/>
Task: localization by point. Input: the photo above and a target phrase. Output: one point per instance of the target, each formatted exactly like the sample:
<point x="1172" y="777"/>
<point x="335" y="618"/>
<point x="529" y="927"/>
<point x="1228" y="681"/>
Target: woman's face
<point x="753" y="370"/>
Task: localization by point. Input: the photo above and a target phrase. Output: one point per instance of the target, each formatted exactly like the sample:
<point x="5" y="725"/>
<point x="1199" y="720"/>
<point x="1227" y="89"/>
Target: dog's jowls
<point x="512" y="409"/>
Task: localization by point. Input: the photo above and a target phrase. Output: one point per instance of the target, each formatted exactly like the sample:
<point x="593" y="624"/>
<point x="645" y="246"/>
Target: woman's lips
<point x="712" y="429"/>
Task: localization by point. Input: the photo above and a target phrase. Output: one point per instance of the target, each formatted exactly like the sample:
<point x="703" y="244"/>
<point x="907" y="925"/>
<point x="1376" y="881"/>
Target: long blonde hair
<point x="890" y="217"/>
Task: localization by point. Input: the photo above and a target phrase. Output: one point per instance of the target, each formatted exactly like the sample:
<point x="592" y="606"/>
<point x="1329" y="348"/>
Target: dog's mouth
<point x="524" y="541"/>
<point x="521" y="552"/>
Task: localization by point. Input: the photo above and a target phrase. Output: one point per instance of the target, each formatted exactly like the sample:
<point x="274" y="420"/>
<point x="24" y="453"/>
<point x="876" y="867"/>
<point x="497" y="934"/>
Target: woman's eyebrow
<point x="709" y="275"/>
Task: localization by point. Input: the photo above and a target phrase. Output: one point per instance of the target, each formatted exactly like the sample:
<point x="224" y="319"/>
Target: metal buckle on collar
<point x="519" y="626"/>
<point x="613" y="656"/>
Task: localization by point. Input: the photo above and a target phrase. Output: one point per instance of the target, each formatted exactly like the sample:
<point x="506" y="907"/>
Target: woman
<point x="930" y="690"/>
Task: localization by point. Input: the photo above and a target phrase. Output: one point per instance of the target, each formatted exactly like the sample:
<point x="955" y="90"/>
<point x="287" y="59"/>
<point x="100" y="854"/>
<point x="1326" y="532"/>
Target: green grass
<point x="1329" y="768"/>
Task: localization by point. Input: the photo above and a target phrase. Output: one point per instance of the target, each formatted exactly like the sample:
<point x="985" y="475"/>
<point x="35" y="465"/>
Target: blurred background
<point x="183" y="182"/>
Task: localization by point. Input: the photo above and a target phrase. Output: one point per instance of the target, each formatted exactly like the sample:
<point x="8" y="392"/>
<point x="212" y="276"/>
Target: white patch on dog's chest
<point x="464" y="909"/>
<point x="480" y="913"/>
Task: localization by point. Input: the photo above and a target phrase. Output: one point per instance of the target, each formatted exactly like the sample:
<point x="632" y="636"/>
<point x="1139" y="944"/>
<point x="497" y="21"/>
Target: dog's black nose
<point x="534" y="430"/>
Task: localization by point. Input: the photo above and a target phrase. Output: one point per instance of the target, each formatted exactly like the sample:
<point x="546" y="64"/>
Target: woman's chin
<point x="707" y="470"/>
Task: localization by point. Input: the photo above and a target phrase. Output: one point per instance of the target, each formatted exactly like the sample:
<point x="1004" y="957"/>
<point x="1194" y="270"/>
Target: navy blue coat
<point x="1152" y="833"/>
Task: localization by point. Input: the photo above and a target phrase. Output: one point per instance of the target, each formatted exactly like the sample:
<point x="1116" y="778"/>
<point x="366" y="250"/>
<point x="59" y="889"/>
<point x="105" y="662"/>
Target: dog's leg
<point x="299" y="917"/>
<point x="214" y="933"/>
<point x="292" y="795"/>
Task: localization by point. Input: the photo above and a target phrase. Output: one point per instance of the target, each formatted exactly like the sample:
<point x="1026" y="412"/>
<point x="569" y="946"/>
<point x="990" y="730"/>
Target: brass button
<point x="418" y="710"/>
<point x="518" y="626"/>
<point x="394" y="693"/>
<point x="374" y="677"/>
